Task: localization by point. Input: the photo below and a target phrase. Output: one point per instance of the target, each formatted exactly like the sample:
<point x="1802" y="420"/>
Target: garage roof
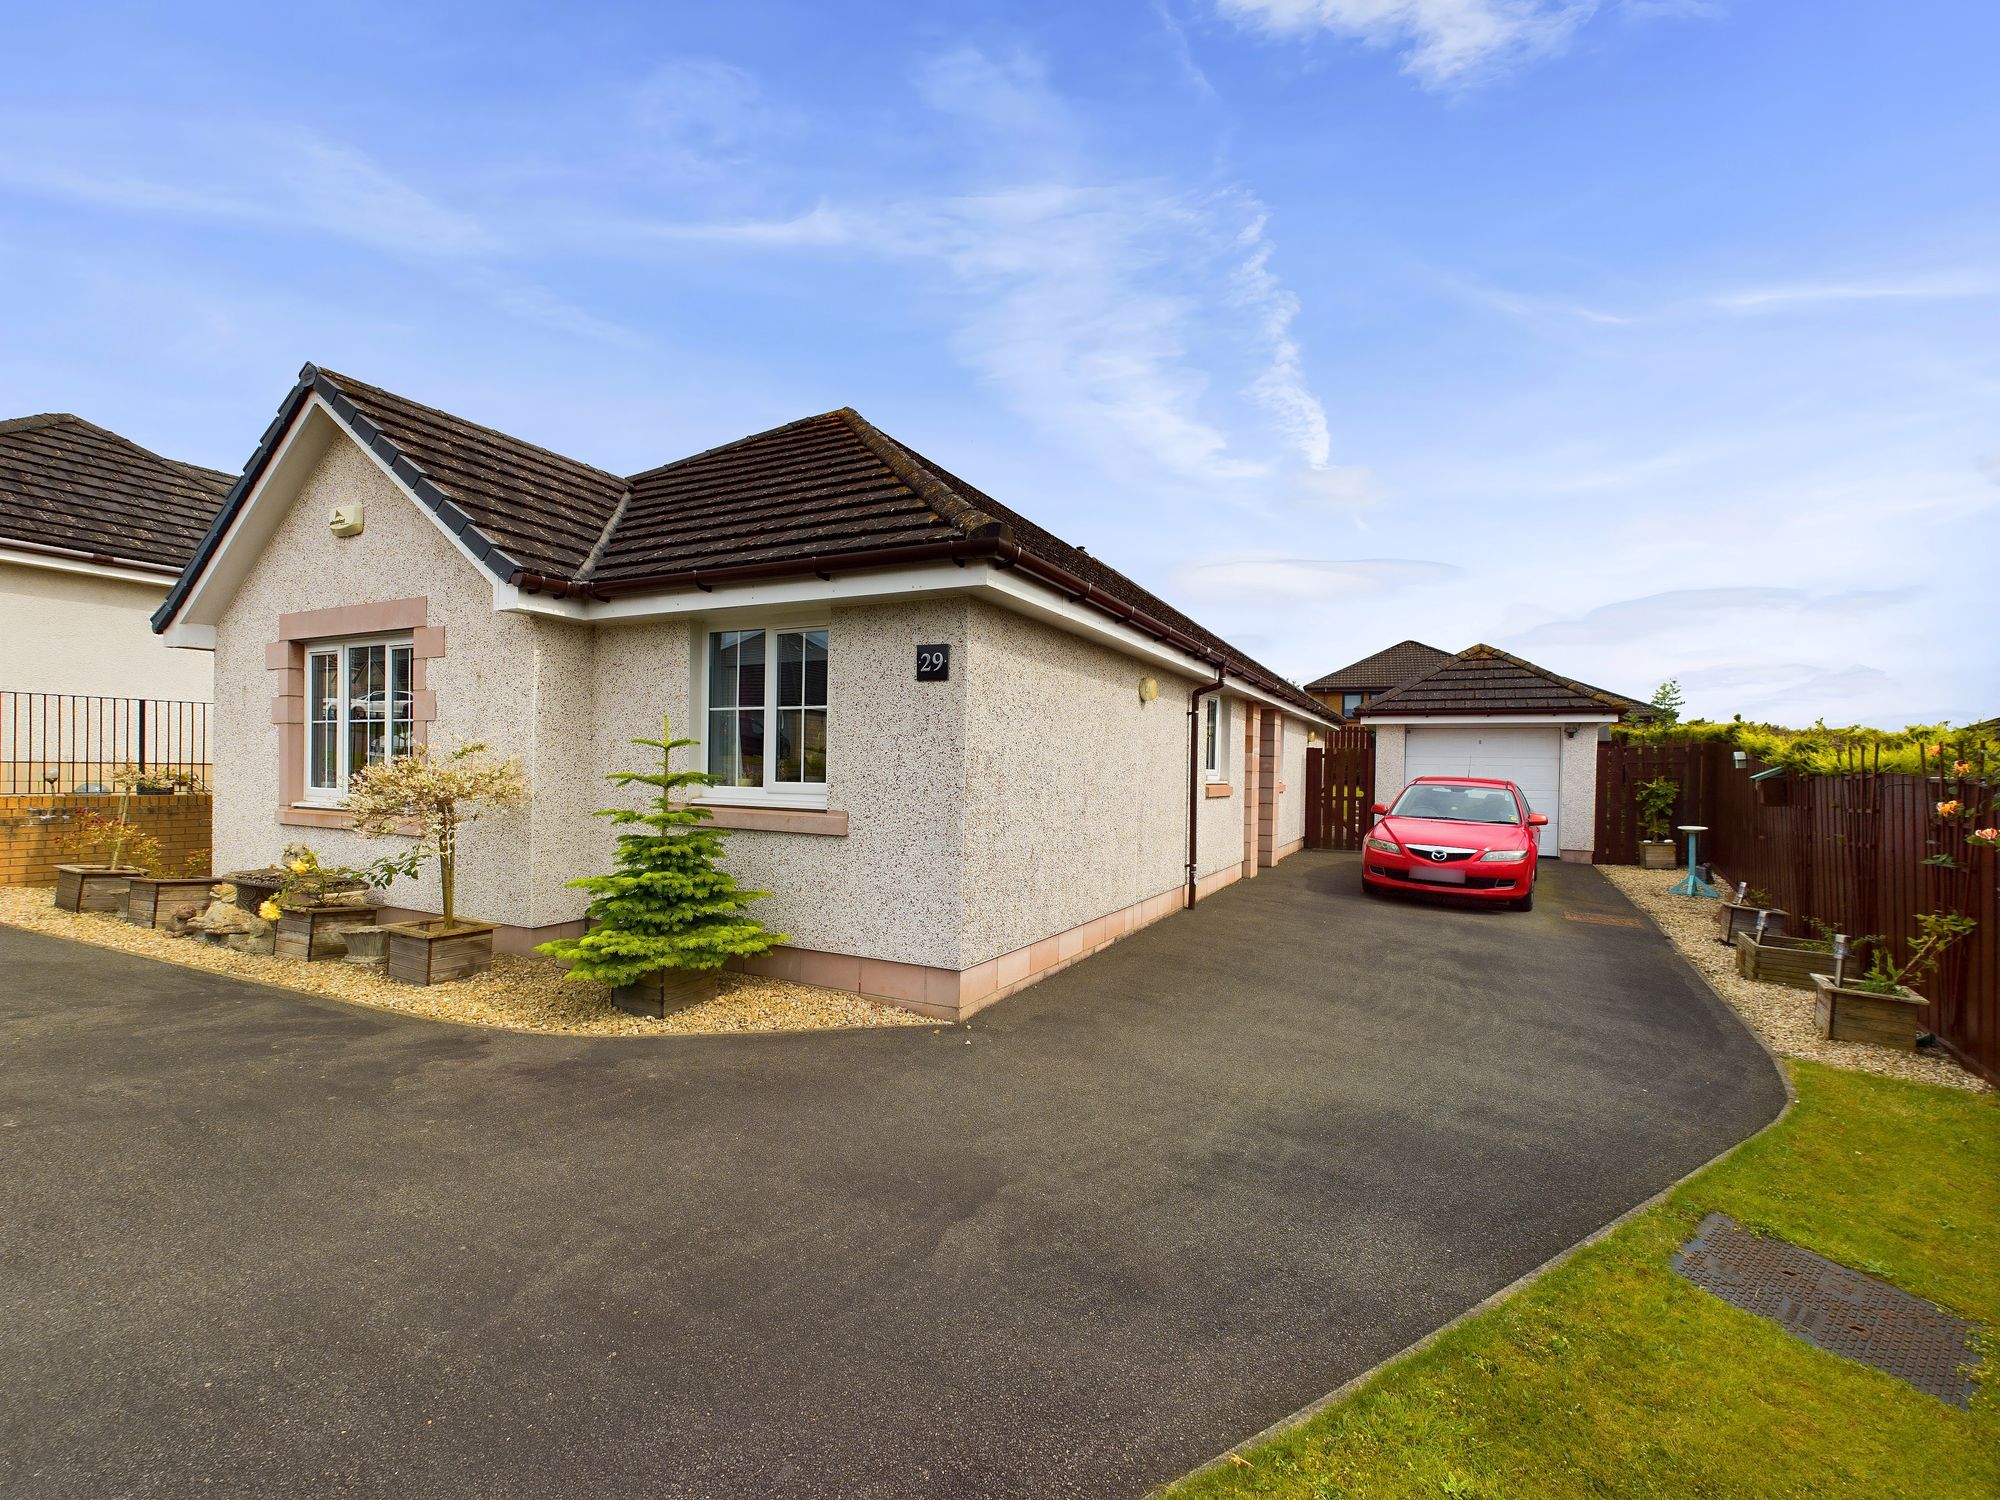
<point x="1391" y="667"/>
<point x="1487" y="680"/>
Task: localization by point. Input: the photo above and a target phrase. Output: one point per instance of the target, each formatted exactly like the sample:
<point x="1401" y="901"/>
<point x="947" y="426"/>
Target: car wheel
<point x="1527" y="902"/>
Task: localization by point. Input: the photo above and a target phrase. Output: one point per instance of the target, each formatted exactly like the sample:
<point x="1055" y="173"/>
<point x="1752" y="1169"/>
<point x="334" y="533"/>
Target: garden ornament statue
<point x="1693" y="885"/>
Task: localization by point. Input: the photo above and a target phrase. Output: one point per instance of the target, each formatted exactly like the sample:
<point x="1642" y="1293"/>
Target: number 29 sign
<point x="933" y="663"/>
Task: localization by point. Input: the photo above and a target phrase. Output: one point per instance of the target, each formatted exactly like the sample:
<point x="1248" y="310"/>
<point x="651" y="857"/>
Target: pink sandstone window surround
<point x="286" y="658"/>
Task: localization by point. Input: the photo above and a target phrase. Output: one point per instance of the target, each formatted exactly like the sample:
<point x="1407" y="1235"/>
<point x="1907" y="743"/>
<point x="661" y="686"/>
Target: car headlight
<point x="1503" y="856"/>
<point x="1387" y="846"/>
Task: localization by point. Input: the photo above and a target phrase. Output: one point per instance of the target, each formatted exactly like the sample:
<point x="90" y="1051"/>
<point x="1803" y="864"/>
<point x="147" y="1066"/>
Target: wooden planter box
<point x="152" y="899"/>
<point x="431" y="953"/>
<point x="93" y="887"/>
<point x="1661" y="855"/>
<point x="1850" y="1015"/>
<point x="665" y="991"/>
<point x="310" y="932"/>
<point x="1733" y="921"/>
<point x="1782" y="960"/>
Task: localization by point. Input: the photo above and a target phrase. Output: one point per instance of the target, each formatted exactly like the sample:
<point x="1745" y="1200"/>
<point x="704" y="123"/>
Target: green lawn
<point x="1611" y="1376"/>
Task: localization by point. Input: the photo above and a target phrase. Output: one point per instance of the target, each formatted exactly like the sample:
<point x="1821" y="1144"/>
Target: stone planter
<point x="1657" y="854"/>
<point x="431" y="953"/>
<point x="255" y="887"/>
<point x="1845" y="1014"/>
<point x="1782" y="960"/>
<point x="310" y="932"/>
<point x="151" y="900"/>
<point x="665" y="991"/>
<point x="93" y="887"/>
<point x="1733" y="921"/>
<point x="367" y="945"/>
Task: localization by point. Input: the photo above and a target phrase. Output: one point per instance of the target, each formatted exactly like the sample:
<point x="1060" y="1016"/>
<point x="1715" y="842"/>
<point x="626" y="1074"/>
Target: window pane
<point x="791" y="727"/>
<point x="815" y="662"/>
<point x="401" y="727"/>
<point x="323" y="711"/>
<point x="367" y="705"/>
<point x="815" y="746"/>
<point x="723" y="761"/>
<point x="791" y="669"/>
<point x="750" y="734"/>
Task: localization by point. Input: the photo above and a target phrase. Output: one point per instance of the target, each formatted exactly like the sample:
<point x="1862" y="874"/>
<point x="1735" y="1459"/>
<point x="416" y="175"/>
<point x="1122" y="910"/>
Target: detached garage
<point x="1485" y="713"/>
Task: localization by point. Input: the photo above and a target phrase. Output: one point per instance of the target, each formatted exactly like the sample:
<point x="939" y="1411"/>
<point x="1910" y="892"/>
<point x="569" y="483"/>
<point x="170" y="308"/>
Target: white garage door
<point x="1530" y="758"/>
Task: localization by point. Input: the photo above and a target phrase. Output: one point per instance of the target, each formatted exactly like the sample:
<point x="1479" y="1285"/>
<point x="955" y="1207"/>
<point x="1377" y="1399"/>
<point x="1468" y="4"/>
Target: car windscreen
<point x="1458" y="804"/>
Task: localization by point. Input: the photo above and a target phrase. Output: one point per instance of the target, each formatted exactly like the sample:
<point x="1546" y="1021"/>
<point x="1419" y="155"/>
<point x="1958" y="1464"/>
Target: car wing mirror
<point x="1379" y="808"/>
<point x="1538" y="820"/>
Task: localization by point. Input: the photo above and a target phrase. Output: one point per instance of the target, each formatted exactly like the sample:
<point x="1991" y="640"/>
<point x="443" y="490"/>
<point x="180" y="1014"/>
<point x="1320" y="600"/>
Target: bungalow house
<point x="1347" y="689"/>
<point x="1485" y="713"/>
<point x="959" y="751"/>
<point x="94" y="530"/>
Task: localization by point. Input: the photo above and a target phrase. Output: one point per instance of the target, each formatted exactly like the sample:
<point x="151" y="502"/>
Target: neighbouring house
<point x="1486" y="713"/>
<point x="959" y="752"/>
<point x="1346" y="690"/>
<point x="94" y="530"/>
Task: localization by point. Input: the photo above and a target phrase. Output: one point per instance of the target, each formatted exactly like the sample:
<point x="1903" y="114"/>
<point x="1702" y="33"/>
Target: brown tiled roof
<point x="69" y="485"/>
<point x="1486" y="680"/>
<point x="539" y="508"/>
<point x="812" y="488"/>
<point x="823" y="492"/>
<point x="1388" y="668"/>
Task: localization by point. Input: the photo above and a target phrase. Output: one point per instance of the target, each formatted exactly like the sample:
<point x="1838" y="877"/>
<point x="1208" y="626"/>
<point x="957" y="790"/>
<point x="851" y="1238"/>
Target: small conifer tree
<point x="666" y="906"/>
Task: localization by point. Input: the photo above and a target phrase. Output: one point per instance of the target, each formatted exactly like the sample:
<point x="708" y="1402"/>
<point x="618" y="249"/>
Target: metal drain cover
<point x="1824" y="1303"/>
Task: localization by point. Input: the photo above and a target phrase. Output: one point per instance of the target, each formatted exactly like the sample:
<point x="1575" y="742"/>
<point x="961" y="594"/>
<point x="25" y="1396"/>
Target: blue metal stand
<point x="1693" y="885"/>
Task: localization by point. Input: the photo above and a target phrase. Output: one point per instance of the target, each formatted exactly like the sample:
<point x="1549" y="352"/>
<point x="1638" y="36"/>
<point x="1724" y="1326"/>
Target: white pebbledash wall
<point x="70" y="632"/>
<point x="1032" y="793"/>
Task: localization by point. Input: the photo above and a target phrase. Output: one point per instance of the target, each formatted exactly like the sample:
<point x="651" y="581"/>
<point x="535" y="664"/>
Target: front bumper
<point x="1482" y="882"/>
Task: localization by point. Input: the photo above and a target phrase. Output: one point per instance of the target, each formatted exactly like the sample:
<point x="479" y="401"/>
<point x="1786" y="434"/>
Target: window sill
<point x="767" y="818"/>
<point x="1218" y="789"/>
<point x="315" y="815"/>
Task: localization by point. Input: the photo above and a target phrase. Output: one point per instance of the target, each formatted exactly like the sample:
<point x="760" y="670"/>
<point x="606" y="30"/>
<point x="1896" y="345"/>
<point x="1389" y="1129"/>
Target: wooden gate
<point x="1340" y="789"/>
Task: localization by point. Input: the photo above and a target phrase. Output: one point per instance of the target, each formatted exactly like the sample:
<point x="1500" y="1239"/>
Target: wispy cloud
<point x="1626" y="620"/>
<point x="1941" y="286"/>
<point x="1269" y="577"/>
<point x="284" y="182"/>
<point x="1443" y="43"/>
<point x="702" y="116"/>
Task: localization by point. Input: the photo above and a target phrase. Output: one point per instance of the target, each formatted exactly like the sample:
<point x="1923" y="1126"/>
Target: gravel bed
<point x="520" y="993"/>
<point x="1782" y="1016"/>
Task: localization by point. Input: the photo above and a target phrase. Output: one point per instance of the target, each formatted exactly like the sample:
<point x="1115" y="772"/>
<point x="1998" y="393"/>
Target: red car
<point x="1461" y="834"/>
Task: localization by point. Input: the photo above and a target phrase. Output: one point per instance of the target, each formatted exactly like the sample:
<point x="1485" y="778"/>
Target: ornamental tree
<point x="439" y="794"/>
<point x="667" y="905"/>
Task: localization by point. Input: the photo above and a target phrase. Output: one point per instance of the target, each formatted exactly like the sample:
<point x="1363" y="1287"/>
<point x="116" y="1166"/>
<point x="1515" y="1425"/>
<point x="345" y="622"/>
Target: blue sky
<point x="1640" y="337"/>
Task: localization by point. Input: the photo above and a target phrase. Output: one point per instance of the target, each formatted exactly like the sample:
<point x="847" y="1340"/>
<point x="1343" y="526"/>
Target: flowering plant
<point x="439" y="794"/>
<point x="119" y="842"/>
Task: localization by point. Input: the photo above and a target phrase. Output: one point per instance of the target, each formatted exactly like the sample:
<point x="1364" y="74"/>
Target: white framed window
<point x="764" y="731"/>
<point x="358" y="704"/>
<point x="1214" y="738"/>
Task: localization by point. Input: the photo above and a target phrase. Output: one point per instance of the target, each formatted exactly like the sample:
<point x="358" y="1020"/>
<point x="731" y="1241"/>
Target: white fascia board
<point x="189" y="637"/>
<point x="1525" y="721"/>
<point x="760" y="595"/>
<point x="56" y="563"/>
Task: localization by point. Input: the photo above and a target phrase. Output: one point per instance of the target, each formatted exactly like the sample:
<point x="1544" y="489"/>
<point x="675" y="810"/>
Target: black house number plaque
<point x="933" y="663"/>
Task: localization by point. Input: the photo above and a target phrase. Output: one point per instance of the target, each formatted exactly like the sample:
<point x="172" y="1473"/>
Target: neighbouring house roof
<point x="67" y="486"/>
<point x="821" y="494"/>
<point x="1486" y="680"/>
<point x="1391" y="667"/>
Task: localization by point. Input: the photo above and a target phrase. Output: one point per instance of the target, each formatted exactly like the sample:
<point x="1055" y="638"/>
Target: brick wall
<point x="180" y="823"/>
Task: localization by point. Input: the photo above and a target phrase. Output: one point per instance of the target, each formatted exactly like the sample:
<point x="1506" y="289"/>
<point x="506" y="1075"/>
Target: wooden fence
<point x="1863" y="851"/>
<point x="1340" y="789"/>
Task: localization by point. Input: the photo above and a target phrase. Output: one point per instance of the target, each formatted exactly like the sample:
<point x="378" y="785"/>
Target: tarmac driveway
<point x="255" y="1243"/>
